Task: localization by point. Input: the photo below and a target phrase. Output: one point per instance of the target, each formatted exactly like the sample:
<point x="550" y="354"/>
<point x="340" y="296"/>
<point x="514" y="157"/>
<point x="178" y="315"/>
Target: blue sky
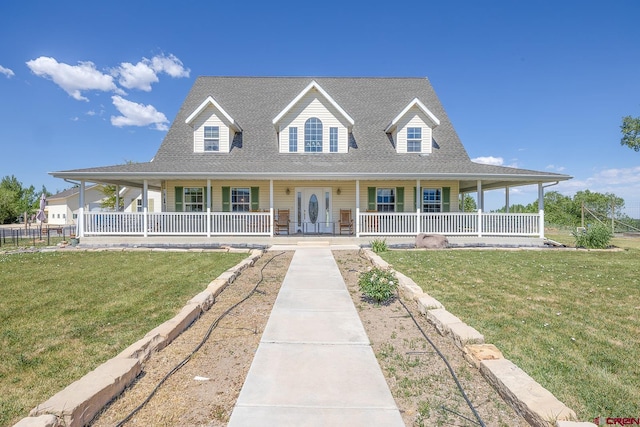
<point x="537" y="85"/>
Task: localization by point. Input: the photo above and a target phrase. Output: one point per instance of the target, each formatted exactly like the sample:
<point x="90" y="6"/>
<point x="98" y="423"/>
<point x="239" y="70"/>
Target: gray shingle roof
<point x="372" y="102"/>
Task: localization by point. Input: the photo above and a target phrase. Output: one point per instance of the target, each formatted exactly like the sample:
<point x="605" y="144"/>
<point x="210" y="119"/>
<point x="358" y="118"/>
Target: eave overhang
<point x="311" y="86"/>
<point x="414" y="103"/>
<point x="206" y="103"/>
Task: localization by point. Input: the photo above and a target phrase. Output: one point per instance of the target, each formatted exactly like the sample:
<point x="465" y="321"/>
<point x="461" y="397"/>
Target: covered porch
<point x="294" y="198"/>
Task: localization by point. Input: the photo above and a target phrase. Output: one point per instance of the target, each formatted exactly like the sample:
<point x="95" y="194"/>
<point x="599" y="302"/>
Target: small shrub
<point x="377" y="284"/>
<point x="597" y="236"/>
<point x="379" y="245"/>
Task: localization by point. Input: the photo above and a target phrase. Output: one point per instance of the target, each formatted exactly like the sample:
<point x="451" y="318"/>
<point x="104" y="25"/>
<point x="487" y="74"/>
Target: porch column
<point x="271" y="218"/>
<point x="541" y="209"/>
<point x="357" y="208"/>
<point x="506" y="199"/>
<point x="417" y="195"/>
<point x="117" y="206"/>
<point x="145" y="207"/>
<point x="208" y="208"/>
<point x="80" y="230"/>
<point x="461" y="205"/>
<point x="480" y="207"/>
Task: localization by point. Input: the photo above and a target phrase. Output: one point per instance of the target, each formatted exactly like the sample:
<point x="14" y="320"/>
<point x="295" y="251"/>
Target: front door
<point x="313" y="210"/>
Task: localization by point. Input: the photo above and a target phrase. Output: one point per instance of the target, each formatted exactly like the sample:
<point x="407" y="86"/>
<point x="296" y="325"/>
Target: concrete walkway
<point x="314" y="365"/>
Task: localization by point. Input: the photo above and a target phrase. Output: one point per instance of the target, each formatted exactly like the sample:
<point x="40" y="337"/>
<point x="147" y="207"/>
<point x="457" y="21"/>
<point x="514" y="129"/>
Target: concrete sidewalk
<point x="314" y="365"/>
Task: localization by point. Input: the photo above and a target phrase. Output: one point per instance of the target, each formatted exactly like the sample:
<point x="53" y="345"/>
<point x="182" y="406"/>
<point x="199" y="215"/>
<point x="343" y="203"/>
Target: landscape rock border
<point x="527" y="397"/>
<point x="78" y="403"/>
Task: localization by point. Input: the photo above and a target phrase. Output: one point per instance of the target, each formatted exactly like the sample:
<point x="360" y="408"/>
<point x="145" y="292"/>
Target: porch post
<point x="506" y="199"/>
<point x="480" y="207"/>
<point x="541" y="209"/>
<point x="271" y="219"/>
<point x="145" y="209"/>
<point x="117" y="206"/>
<point x="81" y="210"/>
<point x="418" y="231"/>
<point x="357" y="208"/>
<point x="208" y="208"/>
<point x="461" y="206"/>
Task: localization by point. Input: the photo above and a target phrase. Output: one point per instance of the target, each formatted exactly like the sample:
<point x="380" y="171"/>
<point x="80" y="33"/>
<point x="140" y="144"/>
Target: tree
<point x="469" y="204"/>
<point x="15" y="200"/>
<point x="109" y="201"/>
<point x="631" y="132"/>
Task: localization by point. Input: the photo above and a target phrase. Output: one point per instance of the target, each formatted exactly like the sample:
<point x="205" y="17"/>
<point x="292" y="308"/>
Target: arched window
<point x="313" y="136"/>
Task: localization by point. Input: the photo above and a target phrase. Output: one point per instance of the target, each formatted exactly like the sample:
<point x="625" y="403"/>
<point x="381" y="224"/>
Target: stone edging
<point x="536" y="404"/>
<point x="81" y="401"/>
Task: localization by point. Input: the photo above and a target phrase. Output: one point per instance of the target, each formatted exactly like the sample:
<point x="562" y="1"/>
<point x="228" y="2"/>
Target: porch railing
<point x="449" y="223"/>
<point x="178" y="223"/>
<point x="261" y="224"/>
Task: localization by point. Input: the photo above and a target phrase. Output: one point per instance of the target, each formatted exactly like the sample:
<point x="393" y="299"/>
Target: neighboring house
<point x="62" y="208"/>
<point x="242" y="150"/>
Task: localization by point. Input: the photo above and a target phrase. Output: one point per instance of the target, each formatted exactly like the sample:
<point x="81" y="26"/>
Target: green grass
<point x="62" y="314"/>
<point x="570" y="319"/>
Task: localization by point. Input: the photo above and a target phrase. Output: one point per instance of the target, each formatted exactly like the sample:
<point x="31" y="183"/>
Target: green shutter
<point x="226" y="199"/>
<point x="204" y="199"/>
<point x="255" y="198"/>
<point x="372" y="204"/>
<point x="446" y="205"/>
<point x="399" y="199"/>
<point x="179" y="194"/>
<point x="415" y="200"/>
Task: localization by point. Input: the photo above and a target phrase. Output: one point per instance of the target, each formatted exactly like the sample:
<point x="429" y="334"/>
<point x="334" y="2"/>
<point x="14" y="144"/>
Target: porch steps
<point x="313" y="243"/>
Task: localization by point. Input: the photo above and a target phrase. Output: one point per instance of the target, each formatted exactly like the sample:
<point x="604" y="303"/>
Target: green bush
<point x="379" y="245"/>
<point x="377" y="284"/>
<point x="597" y="236"/>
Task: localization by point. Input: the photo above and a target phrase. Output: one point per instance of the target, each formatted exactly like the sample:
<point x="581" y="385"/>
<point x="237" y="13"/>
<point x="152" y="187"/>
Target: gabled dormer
<point x="213" y="128"/>
<point x="313" y="122"/>
<point x="412" y="129"/>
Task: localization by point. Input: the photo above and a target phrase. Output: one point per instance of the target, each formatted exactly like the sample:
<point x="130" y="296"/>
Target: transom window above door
<point x="313" y="135"/>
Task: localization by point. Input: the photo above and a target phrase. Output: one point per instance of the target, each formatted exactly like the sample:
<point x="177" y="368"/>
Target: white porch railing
<point x="261" y="224"/>
<point x="449" y="223"/>
<point x="178" y="223"/>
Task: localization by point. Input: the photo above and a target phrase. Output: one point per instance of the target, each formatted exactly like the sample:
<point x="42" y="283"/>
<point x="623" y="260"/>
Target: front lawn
<point x="568" y="318"/>
<point x="64" y="313"/>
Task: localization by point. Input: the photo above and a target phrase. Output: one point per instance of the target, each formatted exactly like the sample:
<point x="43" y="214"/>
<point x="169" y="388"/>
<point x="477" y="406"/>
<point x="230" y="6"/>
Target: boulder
<point x="431" y="241"/>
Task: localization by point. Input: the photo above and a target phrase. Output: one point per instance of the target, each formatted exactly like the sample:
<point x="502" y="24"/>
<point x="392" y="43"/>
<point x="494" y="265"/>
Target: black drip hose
<point x="444" y="359"/>
<point x="446" y="362"/>
<point x="202" y="342"/>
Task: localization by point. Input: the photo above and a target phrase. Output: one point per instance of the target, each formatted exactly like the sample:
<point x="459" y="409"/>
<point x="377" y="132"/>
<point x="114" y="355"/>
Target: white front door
<point x="313" y="210"/>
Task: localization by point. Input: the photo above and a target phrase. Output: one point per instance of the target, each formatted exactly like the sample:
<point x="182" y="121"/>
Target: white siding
<point x="414" y="118"/>
<point x="313" y="105"/>
<point x="209" y="118"/>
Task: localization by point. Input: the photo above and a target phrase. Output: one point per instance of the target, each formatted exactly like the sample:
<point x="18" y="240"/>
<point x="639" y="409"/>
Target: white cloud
<point x="91" y="113"/>
<point x="556" y="168"/>
<point x="489" y="160"/>
<point x="170" y="65"/>
<point x="139" y="76"/>
<point x="7" y="72"/>
<point x="134" y="114"/>
<point x="73" y="79"/>
<point x="144" y="73"/>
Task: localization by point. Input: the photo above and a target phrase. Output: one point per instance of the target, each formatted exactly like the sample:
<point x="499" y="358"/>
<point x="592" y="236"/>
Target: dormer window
<point x="313" y="135"/>
<point x="414" y="140"/>
<point x="293" y="139"/>
<point x="412" y="129"/>
<point x="315" y="120"/>
<point x="213" y="128"/>
<point x="211" y="138"/>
